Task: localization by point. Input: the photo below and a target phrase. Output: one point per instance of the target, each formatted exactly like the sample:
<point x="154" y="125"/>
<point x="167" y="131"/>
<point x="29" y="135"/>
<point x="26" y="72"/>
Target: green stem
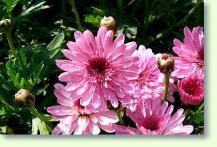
<point x="166" y="88"/>
<point x="13" y="50"/>
<point x="120" y="6"/>
<point x="78" y="22"/>
<point x="10" y="42"/>
<point x="201" y="107"/>
<point x="40" y="116"/>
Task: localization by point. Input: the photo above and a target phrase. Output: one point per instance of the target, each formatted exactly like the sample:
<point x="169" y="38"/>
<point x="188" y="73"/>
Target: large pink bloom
<point x="191" y="53"/>
<point x="149" y="82"/>
<point x="191" y="90"/>
<point x="99" y="69"/>
<point x="152" y="117"/>
<point x="76" y="119"/>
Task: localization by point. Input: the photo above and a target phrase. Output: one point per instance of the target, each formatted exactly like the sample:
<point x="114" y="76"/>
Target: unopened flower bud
<point x="5" y="25"/>
<point x="109" y="23"/>
<point x="166" y="63"/>
<point x="25" y="98"/>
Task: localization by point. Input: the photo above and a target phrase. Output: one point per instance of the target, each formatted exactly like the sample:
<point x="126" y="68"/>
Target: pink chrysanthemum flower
<point x="191" y="90"/>
<point x="154" y="117"/>
<point x="99" y="69"/>
<point x="149" y="82"/>
<point x="190" y="53"/>
<point x="76" y="119"/>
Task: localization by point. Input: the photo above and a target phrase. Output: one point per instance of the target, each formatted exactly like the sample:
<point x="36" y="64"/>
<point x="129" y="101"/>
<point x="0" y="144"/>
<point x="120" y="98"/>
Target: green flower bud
<point x="5" y="25"/>
<point x="109" y="23"/>
<point x="166" y="63"/>
<point x="24" y="98"/>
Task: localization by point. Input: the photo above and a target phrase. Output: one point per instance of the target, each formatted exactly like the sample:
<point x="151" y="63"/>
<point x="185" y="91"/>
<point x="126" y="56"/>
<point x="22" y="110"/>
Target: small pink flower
<point x="154" y="117"/>
<point x="98" y="69"/>
<point x="76" y="119"/>
<point x="190" y="58"/>
<point x="149" y="82"/>
<point x="191" y="90"/>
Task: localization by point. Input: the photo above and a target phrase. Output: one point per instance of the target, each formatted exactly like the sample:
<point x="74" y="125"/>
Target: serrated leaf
<point x="22" y="83"/>
<point x="10" y="70"/>
<point x="22" y="57"/>
<point x="16" y="80"/>
<point x="198" y="118"/>
<point x="129" y="31"/>
<point x="39" y="71"/>
<point x="92" y="19"/>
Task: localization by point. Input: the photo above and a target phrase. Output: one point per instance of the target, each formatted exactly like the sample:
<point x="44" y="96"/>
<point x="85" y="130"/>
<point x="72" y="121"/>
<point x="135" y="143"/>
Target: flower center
<point x="193" y="87"/>
<point x="142" y="79"/>
<point x="201" y="54"/>
<point x="189" y="90"/>
<point x="97" y="65"/>
<point x="201" y="58"/>
<point x="151" y="123"/>
<point x="99" y="70"/>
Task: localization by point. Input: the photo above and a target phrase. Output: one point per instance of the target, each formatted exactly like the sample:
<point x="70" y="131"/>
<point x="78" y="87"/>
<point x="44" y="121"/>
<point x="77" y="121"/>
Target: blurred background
<point x="154" y="23"/>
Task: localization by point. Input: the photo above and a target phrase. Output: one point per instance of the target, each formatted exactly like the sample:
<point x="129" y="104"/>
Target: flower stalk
<point x="34" y="111"/>
<point x="166" y="66"/>
<point x="5" y="27"/>
<point x="10" y="42"/>
<point x="77" y="17"/>
<point x="120" y="113"/>
<point x="25" y="98"/>
<point x="166" y="88"/>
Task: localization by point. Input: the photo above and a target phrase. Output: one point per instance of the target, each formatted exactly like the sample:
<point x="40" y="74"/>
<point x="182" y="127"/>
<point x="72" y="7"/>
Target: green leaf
<point x="10" y="4"/>
<point x="22" y="57"/>
<point x="10" y="71"/>
<point x="33" y="8"/>
<point x="198" y="118"/>
<point x="41" y="90"/>
<point x="22" y="83"/>
<point x="39" y="71"/>
<point x="92" y="19"/>
<point x="98" y="11"/>
<point x="38" y="125"/>
<point x="129" y="31"/>
<point x="5" y="106"/>
<point x="56" y="42"/>
<point x="14" y="73"/>
<point x="4" y="83"/>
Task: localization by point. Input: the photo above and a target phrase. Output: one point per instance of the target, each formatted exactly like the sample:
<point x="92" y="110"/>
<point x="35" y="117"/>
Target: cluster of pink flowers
<point x="189" y="66"/>
<point x="104" y="76"/>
